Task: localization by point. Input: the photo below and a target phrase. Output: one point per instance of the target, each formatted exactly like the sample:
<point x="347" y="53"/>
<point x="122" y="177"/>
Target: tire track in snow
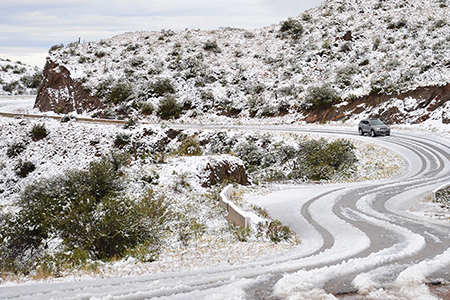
<point x="356" y="237"/>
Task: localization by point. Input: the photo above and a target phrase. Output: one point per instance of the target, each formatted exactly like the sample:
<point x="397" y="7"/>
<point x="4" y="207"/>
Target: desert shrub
<point x="55" y="47"/>
<point x="321" y="160"/>
<point x="345" y="47"/>
<point x="241" y="233"/>
<point x="38" y="132"/>
<point x="212" y="46"/>
<point x="147" y="108"/>
<point x="120" y="92"/>
<point x="169" y="108"/>
<point x="275" y="231"/>
<point x="251" y="154"/>
<point x="23" y="168"/>
<point x="161" y="87"/>
<point x="291" y="27"/>
<point x="397" y="25"/>
<point x="137" y="61"/>
<point x="121" y="140"/>
<point x="190" y="146"/>
<point x="11" y="87"/>
<point x="321" y="95"/>
<point x="83" y="210"/>
<point x="32" y="81"/>
<point x="440" y="23"/>
<point x="383" y="84"/>
<point x="131" y="123"/>
<point x="15" y="149"/>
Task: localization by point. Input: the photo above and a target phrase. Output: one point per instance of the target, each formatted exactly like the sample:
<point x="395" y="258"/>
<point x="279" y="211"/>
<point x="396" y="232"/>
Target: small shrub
<point x="32" y="81"/>
<point x="321" y="160"/>
<point x="85" y="212"/>
<point x="38" y="132"/>
<point x="291" y="27"/>
<point x="15" y="149"/>
<point x="23" y="168"/>
<point x="275" y="231"/>
<point x="147" y="108"/>
<point x="212" y="46"/>
<point x="169" y="108"/>
<point x="55" y="47"/>
<point x="320" y="95"/>
<point x="120" y="92"/>
<point x="241" y="233"/>
<point x="121" y="140"/>
<point x="383" y="84"/>
<point x="190" y="147"/>
<point x="161" y="87"/>
<point x="131" y="123"/>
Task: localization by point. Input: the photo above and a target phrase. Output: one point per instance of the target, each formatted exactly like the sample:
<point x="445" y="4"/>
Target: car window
<point x="376" y="122"/>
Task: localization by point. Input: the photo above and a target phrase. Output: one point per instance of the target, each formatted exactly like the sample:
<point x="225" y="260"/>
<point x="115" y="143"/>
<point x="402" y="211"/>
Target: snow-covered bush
<point x="24" y="167"/>
<point x="190" y="147"/>
<point x="80" y="210"/>
<point x="38" y="132"/>
<point x="321" y="160"/>
<point x="160" y="88"/>
<point x="212" y="46"/>
<point x="15" y="149"/>
<point x="291" y="27"/>
<point x="169" y="108"/>
<point x="320" y="95"/>
<point x="122" y="139"/>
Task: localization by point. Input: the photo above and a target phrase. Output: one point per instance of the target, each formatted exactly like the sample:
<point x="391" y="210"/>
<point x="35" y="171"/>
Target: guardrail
<point x="235" y="214"/>
<point x="441" y="194"/>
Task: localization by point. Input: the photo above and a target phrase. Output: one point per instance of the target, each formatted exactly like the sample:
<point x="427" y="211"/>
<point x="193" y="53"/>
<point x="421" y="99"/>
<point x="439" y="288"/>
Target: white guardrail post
<point x="235" y="214"/>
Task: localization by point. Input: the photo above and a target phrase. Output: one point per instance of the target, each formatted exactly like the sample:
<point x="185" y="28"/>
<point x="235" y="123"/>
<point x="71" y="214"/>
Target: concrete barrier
<point x="235" y="214"/>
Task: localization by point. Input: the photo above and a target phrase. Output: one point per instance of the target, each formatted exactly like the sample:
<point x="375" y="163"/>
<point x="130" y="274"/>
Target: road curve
<point x="358" y="237"/>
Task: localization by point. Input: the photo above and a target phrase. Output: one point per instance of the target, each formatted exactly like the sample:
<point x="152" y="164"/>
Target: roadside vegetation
<point x="131" y="197"/>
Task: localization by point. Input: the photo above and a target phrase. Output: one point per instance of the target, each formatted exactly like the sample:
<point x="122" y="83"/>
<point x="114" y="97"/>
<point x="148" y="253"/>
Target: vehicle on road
<point x="374" y="127"/>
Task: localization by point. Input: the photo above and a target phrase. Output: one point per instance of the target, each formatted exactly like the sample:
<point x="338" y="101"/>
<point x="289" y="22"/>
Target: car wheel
<point x="372" y="133"/>
<point x="361" y="132"/>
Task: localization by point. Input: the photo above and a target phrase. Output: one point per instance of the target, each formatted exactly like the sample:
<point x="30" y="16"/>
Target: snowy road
<point x="354" y="237"/>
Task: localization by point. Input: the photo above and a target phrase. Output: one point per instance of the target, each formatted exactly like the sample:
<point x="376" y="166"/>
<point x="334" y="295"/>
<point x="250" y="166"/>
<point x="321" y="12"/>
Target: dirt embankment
<point x="379" y="106"/>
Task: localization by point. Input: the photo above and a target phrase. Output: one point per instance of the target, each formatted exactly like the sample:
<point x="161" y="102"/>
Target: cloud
<point x="39" y="25"/>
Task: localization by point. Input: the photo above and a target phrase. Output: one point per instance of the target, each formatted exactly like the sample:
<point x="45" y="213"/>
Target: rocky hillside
<point x="18" y="79"/>
<point x="342" y="60"/>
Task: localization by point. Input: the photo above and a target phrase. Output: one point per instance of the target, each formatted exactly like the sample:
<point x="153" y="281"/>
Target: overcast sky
<point x="28" y="28"/>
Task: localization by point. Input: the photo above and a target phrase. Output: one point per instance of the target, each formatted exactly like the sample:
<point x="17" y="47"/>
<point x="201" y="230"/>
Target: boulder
<point x="222" y="168"/>
<point x="58" y="92"/>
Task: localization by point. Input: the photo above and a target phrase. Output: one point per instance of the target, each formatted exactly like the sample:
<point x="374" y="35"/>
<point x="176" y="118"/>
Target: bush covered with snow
<point x="83" y="212"/>
<point x="18" y="79"/>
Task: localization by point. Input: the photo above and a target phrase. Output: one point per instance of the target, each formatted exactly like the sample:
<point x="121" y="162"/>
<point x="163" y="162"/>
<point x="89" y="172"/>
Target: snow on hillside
<point x="351" y="48"/>
<point x="18" y="79"/>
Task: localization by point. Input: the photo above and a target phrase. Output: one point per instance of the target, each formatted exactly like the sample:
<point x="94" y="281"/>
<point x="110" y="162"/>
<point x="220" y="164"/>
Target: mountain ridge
<point x="328" y="57"/>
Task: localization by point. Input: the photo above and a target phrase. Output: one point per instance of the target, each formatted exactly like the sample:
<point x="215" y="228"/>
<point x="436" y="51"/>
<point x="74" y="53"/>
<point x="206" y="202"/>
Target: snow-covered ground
<point x="380" y="237"/>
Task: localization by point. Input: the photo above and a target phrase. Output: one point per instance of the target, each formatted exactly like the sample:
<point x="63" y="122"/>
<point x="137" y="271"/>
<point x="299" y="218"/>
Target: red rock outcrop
<point x="428" y="98"/>
<point x="221" y="168"/>
<point x="60" y="93"/>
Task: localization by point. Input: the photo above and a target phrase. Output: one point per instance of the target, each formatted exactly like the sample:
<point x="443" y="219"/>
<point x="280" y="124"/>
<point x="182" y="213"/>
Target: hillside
<point x="18" y="79"/>
<point x="336" y="57"/>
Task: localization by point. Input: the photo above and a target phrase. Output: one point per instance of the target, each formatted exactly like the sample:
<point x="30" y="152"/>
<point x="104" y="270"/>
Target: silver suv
<point x="373" y="127"/>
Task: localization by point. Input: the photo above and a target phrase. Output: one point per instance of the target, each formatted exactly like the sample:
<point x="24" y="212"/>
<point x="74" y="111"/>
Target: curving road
<point x="359" y="237"/>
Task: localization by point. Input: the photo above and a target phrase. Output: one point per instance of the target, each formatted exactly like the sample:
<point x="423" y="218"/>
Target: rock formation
<point x="221" y="168"/>
<point x="58" y="92"/>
